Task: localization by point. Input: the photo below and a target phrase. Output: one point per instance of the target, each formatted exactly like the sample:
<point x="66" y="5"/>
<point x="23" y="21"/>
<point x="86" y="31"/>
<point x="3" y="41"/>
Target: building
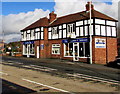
<point x="1" y="47"/>
<point x="118" y="46"/>
<point x="68" y="37"/>
<point x="13" y="48"/>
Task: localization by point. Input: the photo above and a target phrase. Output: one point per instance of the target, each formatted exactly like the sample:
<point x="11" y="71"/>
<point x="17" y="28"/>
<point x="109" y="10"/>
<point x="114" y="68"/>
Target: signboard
<point x="28" y="42"/>
<point x="75" y="40"/>
<point x="100" y="43"/>
<point x="42" y="46"/>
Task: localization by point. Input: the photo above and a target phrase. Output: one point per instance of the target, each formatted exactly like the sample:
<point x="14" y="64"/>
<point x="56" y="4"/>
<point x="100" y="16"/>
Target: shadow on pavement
<point x="11" y="88"/>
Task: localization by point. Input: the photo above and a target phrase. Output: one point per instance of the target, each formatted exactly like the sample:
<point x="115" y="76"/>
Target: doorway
<point x="75" y="51"/>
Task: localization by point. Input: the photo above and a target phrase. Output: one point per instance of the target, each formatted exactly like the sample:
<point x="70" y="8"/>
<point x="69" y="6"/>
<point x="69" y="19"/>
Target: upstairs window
<point x="54" y="31"/>
<point x="70" y="28"/>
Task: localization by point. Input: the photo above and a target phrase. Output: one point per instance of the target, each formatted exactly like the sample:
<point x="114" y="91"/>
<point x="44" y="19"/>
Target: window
<point x="97" y="29"/>
<point x="55" y="48"/>
<point x="70" y="28"/>
<point x="32" y="33"/>
<point x="24" y="34"/>
<point x="81" y="50"/>
<point x="54" y="31"/>
<point x="25" y="49"/>
<point x="86" y="30"/>
<point x="84" y="49"/>
<point x="113" y="31"/>
<point x="69" y="49"/>
<point x="108" y="31"/>
<point x="103" y="32"/>
<point x="81" y="31"/>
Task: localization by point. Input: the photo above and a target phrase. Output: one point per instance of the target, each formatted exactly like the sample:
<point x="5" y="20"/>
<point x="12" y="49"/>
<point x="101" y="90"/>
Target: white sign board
<point x="100" y="43"/>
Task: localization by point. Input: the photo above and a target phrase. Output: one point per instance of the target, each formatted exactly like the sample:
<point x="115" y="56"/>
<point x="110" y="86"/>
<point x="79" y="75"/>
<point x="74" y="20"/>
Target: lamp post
<point x="90" y="34"/>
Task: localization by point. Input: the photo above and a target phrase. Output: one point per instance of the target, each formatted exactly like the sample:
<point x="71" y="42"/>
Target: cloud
<point x="13" y="23"/>
<point x="72" y="6"/>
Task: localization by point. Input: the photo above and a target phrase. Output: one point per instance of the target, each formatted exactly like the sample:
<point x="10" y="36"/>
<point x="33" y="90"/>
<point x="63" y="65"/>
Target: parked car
<point x="115" y="64"/>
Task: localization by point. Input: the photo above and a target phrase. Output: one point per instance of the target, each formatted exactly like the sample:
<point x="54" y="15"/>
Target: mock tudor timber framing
<point x="103" y="27"/>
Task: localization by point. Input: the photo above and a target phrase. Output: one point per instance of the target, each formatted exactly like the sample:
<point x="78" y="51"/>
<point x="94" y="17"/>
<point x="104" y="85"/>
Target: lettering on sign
<point x="100" y="43"/>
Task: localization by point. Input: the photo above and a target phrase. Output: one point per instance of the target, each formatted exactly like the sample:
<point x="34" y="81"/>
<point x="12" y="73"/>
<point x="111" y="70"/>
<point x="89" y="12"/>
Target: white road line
<point x="45" y="85"/>
<point x="94" y="78"/>
<point x="3" y="73"/>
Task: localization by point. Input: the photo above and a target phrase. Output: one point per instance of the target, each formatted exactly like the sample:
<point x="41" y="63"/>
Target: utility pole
<point x="90" y="34"/>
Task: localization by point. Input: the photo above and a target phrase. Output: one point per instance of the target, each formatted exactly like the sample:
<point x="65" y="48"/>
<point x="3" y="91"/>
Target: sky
<point x="17" y="14"/>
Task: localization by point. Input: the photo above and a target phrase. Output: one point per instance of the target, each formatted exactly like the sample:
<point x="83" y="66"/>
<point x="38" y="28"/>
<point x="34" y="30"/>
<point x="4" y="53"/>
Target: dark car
<point x="115" y="64"/>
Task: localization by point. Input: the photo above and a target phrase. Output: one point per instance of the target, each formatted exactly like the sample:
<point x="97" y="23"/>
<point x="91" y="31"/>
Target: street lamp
<point x="90" y="34"/>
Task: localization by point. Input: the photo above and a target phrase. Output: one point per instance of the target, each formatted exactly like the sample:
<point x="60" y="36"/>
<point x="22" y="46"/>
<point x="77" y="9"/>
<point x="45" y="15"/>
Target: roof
<point x="41" y="22"/>
<point x="68" y="18"/>
<point x="80" y="16"/>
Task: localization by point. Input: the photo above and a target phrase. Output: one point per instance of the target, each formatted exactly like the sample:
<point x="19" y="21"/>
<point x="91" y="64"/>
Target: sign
<point x="100" y="43"/>
<point x="75" y="40"/>
<point x="28" y="42"/>
<point x="42" y="46"/>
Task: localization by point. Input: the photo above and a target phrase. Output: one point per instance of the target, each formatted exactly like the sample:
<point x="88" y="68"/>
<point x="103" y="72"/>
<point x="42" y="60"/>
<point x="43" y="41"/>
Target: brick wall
<point x="103" y="55"/>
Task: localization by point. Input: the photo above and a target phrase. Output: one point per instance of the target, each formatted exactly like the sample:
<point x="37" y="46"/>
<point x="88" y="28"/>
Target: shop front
<point x="76" y="48"/>
<point x="28" y="48"/>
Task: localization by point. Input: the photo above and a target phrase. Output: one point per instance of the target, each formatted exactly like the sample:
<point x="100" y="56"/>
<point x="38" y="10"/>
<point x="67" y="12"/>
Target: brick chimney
<point x="52" y="16"/>
<point x="88" y="6"/>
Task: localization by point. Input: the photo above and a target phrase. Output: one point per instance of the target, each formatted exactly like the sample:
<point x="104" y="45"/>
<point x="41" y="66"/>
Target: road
<point x="67" y="67"/>
<point x="42" y="82"/>
<point x="12" y="88"/>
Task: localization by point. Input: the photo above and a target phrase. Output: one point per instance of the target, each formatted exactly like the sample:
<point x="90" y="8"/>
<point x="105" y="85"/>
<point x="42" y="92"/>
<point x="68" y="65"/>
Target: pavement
<point x="65" y="66"/>
<point x="67" y="62"/>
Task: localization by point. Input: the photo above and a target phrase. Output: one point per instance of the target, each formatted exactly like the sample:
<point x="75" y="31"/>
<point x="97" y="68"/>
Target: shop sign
<point x="100" y="43"/>
<point x="76" y="40"/>
<point x="28" y="42"/>
<point x="42" y="46"/>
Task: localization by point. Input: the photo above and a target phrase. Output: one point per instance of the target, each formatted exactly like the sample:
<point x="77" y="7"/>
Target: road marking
<point x="3" y="73"/>
<point x="46" y="85"/>
<point x="94" y="78"/>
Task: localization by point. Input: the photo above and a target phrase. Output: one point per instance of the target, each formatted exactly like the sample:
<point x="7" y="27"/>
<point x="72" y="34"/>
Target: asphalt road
<point x="12" y="88"/>
<point x="64" y="66"/>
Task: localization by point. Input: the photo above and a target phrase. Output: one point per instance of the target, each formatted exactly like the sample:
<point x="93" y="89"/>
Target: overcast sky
<point x="16" y="15"/>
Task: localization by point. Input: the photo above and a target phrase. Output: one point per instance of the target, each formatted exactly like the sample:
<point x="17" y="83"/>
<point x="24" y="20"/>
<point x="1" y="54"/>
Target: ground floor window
<point x="82" y="49"/>
<point x="55" y="48"/>
<point x="28" y="49"/>
<point x="25" y="49"/>
<point x="68" y="49"/>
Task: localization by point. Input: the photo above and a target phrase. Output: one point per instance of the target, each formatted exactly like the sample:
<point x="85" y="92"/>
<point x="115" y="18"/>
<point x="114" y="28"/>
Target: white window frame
<point x="56" y="46"/>
<point x="54" y="31"/>
<point x="70" y="28"/>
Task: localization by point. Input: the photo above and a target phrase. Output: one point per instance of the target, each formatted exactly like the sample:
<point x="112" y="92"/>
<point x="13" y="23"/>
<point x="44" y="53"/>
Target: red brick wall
<point x="103" y="55"/>
<point x="112" y="49"/>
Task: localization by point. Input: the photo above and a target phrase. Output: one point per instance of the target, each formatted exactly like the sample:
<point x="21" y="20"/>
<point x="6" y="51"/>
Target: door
<point x="38" y="52"/>
<point x="75" y="52"/>
<point x="28" y="50"/>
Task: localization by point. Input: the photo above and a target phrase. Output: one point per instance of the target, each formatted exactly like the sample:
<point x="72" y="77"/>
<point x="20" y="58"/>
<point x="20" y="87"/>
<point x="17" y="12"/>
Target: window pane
<point x="87" y="49"/>
<point x="81" y="31"/>
<point x="71" y="49"/>
<point x="81" y="49"/>
<point x="97" y="29"/>
<point x="103" y="33"/>
<point x="108" y="31"/>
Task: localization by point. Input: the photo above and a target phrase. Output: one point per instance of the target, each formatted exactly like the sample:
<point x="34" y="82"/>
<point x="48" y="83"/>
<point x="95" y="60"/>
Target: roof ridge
<point x="71" y="14"/>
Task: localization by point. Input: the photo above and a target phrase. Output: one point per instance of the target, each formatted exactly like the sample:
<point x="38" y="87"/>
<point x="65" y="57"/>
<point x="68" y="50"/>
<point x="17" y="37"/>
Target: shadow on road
<point x="12" y="88"/>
